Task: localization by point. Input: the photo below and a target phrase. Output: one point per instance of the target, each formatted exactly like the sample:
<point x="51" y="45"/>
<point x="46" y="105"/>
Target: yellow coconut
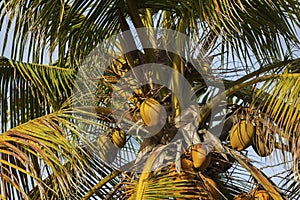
<point x="187" y="165"/>
<point x="262" y="195"/>
<point x="151" y="112"/>
<point x="200" y="157"/>
<point x="241" y="135"/>
<point x="212" y="187"/>
<point x="263" y="145"/>
<point x="118" y="138"/>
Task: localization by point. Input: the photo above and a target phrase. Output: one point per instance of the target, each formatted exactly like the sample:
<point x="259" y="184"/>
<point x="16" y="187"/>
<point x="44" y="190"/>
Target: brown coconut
<point x="263" y="145"/>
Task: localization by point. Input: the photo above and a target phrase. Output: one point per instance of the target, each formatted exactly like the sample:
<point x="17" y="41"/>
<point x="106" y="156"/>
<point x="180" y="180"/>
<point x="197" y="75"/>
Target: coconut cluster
<point x="244" y="133"/>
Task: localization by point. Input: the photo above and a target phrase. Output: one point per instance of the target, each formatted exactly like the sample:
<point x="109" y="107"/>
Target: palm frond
<point x="55" y="156"/>
<point x="85" y="186"/>
<point x="261" y="178"/>
<point x="245" y="28"/>
<point x="31" y="90"/>
<point x="38" y="149"/>
<point x="64" y="28"/>
<point x="281" y="107"/>
<point x="291" y="187"/>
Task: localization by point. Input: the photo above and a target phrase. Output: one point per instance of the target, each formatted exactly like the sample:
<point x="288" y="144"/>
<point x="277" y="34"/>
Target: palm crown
<point x="69" y="132"/>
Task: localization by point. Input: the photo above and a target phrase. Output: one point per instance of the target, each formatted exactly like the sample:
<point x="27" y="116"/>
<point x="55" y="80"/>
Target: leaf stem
<point x="100" y="184"/>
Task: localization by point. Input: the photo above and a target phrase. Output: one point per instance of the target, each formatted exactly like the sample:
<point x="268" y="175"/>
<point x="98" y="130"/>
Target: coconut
<point x="263" y="144"/>
<point x="200" y="157"/>
<point x="187" y="165"/>
<point x="151" y="112"/>
<point x="241" y="135"/>
<point x="118" y="138"/>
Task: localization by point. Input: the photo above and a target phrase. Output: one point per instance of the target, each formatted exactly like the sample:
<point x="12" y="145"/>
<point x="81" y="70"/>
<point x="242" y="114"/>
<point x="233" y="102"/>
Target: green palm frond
<point x="261" y="178"/>
<point x="178" y="187"/>
<point x="94" y="173"/>
<point x="281" y="110"/>
<point x="74" y="28"/>
<point x="53" y="82"/>
<point x="38" y="149"/>
<point x="282" y="105"/>
<point x="245" y="25"/>
<point x="54" y="156"/>
<point x="31" y="90"/>
<point x="246" y="28"/>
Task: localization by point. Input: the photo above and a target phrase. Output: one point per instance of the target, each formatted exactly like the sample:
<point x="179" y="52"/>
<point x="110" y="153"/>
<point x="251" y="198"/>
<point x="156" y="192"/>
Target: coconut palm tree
<point x="149" y="100"/>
